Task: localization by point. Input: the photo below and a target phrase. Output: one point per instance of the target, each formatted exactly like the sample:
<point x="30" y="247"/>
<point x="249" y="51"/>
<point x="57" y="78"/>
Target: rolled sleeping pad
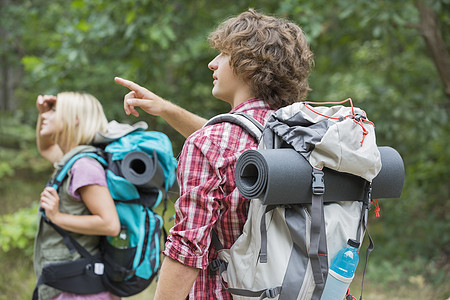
<point x="143" y="170"/>
<point x="389" y="181"/>
<point x="283" y="176"/>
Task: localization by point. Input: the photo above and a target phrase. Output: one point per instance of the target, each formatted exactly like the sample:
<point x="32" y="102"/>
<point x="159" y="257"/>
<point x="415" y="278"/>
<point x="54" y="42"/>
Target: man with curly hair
<point x="264" y="64"/>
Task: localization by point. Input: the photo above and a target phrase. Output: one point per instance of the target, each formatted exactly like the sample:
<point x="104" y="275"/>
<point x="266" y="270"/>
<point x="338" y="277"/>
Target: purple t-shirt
<point x="99" y="296"/>
<point x="86" y="171"/>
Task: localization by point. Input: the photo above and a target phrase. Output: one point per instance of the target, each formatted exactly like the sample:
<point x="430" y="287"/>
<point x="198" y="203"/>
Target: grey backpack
<point x="310" y="183"/>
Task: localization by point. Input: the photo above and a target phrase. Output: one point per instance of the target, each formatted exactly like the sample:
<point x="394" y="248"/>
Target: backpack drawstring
<point x="377" y="207"/>
<point x="349" y="296"/>
<point x="358" y="119"/>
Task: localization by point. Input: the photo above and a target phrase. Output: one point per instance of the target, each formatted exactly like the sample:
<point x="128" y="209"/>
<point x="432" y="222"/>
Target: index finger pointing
<point x="129" y="84"/>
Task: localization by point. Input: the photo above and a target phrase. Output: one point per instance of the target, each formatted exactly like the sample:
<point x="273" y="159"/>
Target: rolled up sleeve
<point x="200" y="174"/>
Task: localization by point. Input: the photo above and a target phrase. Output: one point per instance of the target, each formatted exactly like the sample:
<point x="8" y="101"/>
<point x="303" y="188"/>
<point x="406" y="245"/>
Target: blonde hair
<point x="272" y="54"/>
<point x="79" y="116"/>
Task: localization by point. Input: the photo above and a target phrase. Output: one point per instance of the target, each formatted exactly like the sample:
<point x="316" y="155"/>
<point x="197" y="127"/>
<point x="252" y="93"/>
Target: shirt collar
<point x="255" y="103"/>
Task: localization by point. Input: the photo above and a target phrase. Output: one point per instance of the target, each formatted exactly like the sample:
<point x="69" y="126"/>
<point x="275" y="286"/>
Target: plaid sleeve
<point x="197" y="209"/>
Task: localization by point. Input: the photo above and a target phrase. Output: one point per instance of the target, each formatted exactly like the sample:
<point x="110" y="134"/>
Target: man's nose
<point x="212" y="65"/>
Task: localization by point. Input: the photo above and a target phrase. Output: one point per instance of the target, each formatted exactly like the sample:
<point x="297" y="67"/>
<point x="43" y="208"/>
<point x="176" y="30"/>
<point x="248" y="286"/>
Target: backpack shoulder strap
<point x="55" y="183"/>
<point x="57" y="180"/>
<point x="71" y="243"/>
<point x="247" y="122"/>
<point x="251" y="126"/>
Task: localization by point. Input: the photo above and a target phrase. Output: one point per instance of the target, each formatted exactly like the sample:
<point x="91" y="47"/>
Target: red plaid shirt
<point x="209" y="198"/>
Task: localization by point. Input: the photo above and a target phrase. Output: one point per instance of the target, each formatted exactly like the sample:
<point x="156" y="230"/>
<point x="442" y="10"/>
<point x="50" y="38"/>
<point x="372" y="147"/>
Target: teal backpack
<point x="140" y="169"/>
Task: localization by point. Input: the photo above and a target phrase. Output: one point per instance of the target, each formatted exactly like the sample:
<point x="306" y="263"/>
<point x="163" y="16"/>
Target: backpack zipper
<point x="147" y="226"/>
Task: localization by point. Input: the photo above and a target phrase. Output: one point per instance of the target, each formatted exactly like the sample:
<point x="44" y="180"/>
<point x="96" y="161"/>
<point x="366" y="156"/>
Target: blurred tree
<point x="392" y="58"/>
<point x="431" y="31"/>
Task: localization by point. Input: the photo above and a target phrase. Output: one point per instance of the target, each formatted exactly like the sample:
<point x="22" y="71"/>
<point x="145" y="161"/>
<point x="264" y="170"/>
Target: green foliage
<point x="380" y="61"/>
<point x="17" y="281"/>
<point x="5" y="169"/>
<point x="389" y="274"/>
<point x="18" y="148"/>
<point x="18" y="230"/>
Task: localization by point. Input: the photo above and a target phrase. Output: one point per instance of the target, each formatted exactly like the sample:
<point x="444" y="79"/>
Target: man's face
<point x="227" y="86"/>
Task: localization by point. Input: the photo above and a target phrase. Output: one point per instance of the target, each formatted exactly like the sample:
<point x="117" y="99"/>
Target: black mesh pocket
<point x="118" y="262"/>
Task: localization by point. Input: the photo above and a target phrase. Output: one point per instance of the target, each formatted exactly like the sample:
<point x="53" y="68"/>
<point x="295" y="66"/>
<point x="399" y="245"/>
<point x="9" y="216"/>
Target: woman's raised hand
<point x="45" y="103"/>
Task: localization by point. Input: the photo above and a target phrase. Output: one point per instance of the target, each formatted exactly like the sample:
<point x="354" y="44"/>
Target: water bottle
<point x="119" y="252"/>
<point x="341" y="272"/>
<point x="122" y="240"/>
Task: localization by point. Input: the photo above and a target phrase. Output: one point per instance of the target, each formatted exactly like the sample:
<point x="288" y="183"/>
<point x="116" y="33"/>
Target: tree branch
<point x="430" y="31"/>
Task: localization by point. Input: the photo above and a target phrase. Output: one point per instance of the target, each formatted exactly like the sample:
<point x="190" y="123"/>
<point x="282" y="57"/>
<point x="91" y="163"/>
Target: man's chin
<point x="220" y="97"/>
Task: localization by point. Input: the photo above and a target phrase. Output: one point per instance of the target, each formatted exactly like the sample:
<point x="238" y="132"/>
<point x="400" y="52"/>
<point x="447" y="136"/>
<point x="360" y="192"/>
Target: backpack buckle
<point x="318" y="185"/>
<point x="215" y="265"/>
<point x="358" y="117"/>
<point x="131" y="273"/>
<point x="94" y="269"/>
<point x="272" y="293"/>
<point x="99" y="268"/>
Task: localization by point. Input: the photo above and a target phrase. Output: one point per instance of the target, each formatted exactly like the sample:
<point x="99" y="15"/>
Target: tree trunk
<point x="11" y="71"/>
<point x="3" y="83"/>
<point x="3" y="66"/>
<point x="430" y="31"/>
<point x="10" y="77"/>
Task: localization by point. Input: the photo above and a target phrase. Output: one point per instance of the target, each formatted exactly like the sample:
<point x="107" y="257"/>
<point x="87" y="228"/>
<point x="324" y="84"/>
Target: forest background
<point x="390" y="57"/>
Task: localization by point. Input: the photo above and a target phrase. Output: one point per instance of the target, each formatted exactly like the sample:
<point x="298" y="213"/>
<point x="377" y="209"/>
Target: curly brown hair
<point x="272" y="53"/>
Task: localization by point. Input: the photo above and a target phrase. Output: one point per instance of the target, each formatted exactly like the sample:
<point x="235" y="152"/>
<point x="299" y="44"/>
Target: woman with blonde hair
<point x="67" y="124"/>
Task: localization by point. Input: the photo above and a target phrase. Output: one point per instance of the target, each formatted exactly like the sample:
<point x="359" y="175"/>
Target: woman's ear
<point x="77" y="121"/>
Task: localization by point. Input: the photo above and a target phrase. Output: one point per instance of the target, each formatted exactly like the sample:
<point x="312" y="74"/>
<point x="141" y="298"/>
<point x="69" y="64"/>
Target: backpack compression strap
<point x="318" y="243"/>
<point x="363" y="225"/>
